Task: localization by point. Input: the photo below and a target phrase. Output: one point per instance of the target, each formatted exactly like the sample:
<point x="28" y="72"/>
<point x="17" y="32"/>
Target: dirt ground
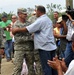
<point x="6" y="67"/>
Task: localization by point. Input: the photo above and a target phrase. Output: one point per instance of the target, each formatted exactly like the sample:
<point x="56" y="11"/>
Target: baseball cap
<point x="22" y="10"/>
<point x="59" y="19"/>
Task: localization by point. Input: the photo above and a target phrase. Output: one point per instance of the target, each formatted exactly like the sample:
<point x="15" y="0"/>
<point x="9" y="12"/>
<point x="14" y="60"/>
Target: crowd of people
<point x="46" y="46"/>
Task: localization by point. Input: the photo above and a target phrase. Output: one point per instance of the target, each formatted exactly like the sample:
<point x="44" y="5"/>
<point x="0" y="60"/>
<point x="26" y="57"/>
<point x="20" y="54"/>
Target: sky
<point x="12" y="5"/>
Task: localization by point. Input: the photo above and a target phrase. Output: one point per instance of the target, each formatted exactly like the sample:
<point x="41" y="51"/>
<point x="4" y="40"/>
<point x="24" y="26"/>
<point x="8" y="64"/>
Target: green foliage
<point x="53" y="7"/>
<point x="50" y="7"/>
<point x="30" y="10"/>
<point x="8" y="15"/>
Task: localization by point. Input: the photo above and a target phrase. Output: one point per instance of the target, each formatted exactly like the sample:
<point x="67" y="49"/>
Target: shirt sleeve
<point x="70" y="70"/>
<point x="34" y="27"/>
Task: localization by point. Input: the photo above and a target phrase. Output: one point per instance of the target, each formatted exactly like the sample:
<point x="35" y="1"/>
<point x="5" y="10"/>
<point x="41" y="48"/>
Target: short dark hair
<point x="56" y="12"/>
<point x="4" y="15"/>
<point x="41" y="9"/>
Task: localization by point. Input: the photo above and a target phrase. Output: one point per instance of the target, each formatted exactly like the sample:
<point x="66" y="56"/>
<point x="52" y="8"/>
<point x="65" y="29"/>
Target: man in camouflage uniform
<point x="1" y="37"/>
<point x="1" y="44"/>
<point x="23" y="45"/>
<point x="0" y="48"/>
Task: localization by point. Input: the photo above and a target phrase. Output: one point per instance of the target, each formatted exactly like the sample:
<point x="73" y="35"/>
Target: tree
<point x="8" y="15"/>
<point x="51" y="8"/>
<point x="30" y="10"/>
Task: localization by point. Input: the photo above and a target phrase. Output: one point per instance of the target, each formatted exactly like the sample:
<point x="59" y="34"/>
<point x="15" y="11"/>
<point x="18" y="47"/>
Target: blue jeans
<point x="44" y="56"/>
<point x="8" y="49"/>
<point x="69" y="54"/>
<point x="62" y="54"/>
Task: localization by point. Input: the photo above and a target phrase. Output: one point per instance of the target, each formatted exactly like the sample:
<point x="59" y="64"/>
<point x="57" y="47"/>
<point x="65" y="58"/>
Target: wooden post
<point x="69" y="3"/>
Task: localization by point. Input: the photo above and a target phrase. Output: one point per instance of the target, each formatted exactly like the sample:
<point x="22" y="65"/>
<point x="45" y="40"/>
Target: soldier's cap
<point x="59" y="19"/>
<point x="4" y="16"/>
<point x="22" y="10"/>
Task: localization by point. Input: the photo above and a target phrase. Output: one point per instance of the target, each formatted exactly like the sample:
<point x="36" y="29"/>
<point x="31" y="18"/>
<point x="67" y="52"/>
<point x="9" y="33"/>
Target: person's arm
<point x="70" y="18"/>
<point x="60" y="72"/>
<point x="64" y="27"/>
<point x="57" y="35"/>
<point x="63" y="65"/>
<point x="15" y="30"/>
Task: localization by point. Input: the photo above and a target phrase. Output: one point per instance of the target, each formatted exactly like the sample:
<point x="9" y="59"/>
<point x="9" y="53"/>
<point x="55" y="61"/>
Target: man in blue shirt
<point x="43" y="38"/>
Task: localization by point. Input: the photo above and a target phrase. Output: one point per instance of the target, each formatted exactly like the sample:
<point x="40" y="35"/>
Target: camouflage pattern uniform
<point x="23" y="45"/>
<point x="32" y="19"/>
<point x="0" y="37"/>
<point x="37" y="67"/>
<point x="1" y="44"/>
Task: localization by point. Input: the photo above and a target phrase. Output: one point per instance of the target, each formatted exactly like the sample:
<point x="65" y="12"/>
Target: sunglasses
<point x="13" y="18"/>
<point x="24" y="13"/>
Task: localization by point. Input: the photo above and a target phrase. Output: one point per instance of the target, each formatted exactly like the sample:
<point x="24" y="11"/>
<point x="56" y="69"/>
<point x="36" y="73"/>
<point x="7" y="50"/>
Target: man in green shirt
<point x="8" y="43"/>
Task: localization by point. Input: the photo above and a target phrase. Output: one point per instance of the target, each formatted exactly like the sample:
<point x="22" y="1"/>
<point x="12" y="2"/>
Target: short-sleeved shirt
<point x="57" y="30"/>
<point x="70" y="70"/>
<point x="43" y="33"/>
<point x="7" y="33"/>
<point x="54" y="22"/>
<point x="70" y="30"/>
